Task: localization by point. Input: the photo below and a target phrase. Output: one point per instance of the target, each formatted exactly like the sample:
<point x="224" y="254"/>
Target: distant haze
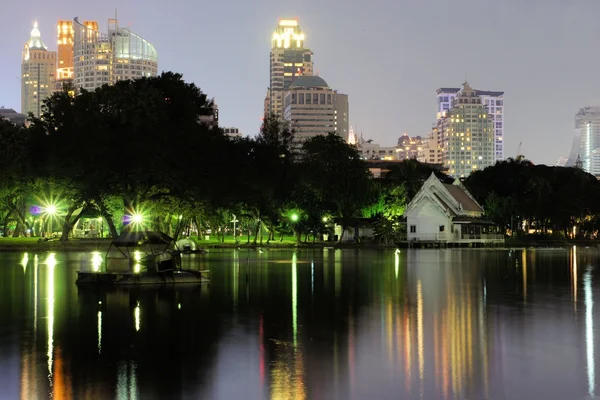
<point x="389" y="58"/>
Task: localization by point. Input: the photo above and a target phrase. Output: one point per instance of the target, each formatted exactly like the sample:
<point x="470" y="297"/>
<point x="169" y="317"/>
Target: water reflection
<point x="335" y="324"/>
<point x="589" y="332"/>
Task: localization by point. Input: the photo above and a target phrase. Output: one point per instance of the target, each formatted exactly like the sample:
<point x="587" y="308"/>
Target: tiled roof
<point x="468" y="204"/>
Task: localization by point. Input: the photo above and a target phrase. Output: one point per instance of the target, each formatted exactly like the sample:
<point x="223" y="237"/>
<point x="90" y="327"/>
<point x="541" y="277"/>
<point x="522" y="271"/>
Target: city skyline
<point x="526" y="51"/>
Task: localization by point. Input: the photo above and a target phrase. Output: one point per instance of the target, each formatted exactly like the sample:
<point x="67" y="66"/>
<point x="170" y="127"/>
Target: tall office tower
<point x="494" y="101"/>
<point x="107" y="58"/>
<point x="64" y="71"/>
<point x="289" y="59"/>
<point x="468" y="134"/>
<point x="587" y="127"/>
<point x="313" y="108"/>
<point x="38" y="73"/>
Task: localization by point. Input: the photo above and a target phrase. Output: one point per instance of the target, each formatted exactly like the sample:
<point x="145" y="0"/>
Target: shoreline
<point x="103" y="245"/>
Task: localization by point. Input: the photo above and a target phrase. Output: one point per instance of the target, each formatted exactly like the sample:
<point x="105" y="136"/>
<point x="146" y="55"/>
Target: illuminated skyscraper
<point x="64" y="71"/>
<point x="38" y="73"/>
<point x="289" y="59"/>
<point x="107" y="58"/>
<point x="493" y="100"/>
<point x="467" y="132"/>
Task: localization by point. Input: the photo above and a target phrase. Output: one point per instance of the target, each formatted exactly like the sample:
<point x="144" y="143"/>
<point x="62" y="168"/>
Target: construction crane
<point x="520" y="156"/>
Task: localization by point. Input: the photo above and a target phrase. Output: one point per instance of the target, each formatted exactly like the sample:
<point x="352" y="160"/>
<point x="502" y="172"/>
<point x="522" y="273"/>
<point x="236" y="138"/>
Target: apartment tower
<point x="38" y="73"/>
<point x="493" y="100"/>
<point x="467" y="133"/>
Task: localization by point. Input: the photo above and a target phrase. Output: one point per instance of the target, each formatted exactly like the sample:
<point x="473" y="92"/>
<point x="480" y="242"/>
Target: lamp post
<point x="51" y="211"/>
<point x="234" y="220"/>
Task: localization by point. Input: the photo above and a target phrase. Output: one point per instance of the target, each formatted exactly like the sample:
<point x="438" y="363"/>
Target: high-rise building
<point x="467" y="131"/>
<point x="64" y="70"/>
<point x="587" y="128"/>
<point x="289" y="59"/>
<point x="107" y="58"/>
<point x="494" y="101"/>
<point x="313" y="108"/>
<point x="38" y="73"/>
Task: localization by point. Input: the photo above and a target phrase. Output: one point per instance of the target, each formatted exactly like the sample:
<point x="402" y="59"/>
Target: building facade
<point x="288" y="60"/>
<point x="313" y="108"/>
<point x="65" y="36"/>
<point x="448" y="214"/>
<point x="467" y="132"/>
<point x="101" y="58"/>
<point x="586" y="141"/>
<point x="38" y="73"/>
<point x="493" y="100"/>
<point x="11" y="115"/>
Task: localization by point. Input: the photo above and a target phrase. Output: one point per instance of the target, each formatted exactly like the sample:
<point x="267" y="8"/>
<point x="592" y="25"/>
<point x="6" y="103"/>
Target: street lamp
<point x="50" y="212"/>
<point x="294" y="217"/>
<point x="234" y="220"/>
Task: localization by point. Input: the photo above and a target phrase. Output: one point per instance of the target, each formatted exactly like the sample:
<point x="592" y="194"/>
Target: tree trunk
<point x="256" y="232"/>
<point x="341" y="234"/>
<point x="108" y="217"/>
<point x="68" y="224"/>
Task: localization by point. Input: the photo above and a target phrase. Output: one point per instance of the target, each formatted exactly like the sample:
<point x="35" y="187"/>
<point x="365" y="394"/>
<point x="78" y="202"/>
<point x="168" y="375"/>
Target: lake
<point x="307" y="324"/>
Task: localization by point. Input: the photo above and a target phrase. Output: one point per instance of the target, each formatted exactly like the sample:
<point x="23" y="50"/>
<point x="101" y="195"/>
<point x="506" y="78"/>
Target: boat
<point x="142" y="258"/>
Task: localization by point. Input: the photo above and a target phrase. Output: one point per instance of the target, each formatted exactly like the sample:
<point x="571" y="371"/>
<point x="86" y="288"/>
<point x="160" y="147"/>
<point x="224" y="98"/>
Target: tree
<point x="339" y="179"/>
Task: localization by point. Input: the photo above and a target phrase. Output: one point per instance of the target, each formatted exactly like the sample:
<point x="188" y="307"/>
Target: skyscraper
<point x="587" y="129"/>
<point x="64" y="71"/>
<point x="38" y="73"/>
<point x="313" y="108"/>
<point x="494" y="101"/>
<point x="289" y="59"/>
<point x="467" y="132"/>
<point x="107" y="58"/>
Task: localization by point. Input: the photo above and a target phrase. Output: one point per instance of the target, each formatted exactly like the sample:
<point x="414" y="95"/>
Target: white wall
<point x="427" y="217"/>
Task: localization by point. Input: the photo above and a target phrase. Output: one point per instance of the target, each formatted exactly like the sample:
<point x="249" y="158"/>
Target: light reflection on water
<point x="416" y="324"/>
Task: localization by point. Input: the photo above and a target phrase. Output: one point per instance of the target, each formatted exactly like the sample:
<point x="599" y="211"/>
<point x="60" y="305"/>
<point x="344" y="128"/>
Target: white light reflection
<point x="96" y="261"/>
<point x="137" y="256"/>
<point x="295" y="298"/>
<point x="136" y="315"/>
<point x="51" y="263"/>
<point x="397" y="262"/>
<point x="589" y="332"/>
<point x="312" y="277"/>
<point x="420" y="340"/>
<point x="35" y="293"/>
<point x="99" y="332"/>
<point x="24" y="262"/>
<point x="575" y="277"/>
<point x="127" y="380"/>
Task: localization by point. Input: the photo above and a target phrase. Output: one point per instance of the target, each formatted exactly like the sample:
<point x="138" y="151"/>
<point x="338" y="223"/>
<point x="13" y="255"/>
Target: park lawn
<point x="242" y="240"/>
<point x="18" y="240"/>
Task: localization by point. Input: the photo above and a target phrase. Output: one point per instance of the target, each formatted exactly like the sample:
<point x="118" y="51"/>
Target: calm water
<point x="421" y="324"/>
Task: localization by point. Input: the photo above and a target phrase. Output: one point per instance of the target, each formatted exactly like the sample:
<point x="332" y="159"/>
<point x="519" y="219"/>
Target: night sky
<point x="389" y="56"/>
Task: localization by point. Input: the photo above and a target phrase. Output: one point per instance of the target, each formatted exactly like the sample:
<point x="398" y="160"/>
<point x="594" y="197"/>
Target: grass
<point x="243" y="240"/>
<point x="18" y="240"/>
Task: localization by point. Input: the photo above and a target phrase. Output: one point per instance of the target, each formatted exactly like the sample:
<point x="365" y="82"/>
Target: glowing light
<point x="295" y="298"/>
<point x="397" y="263"/>
<point x="325" y="219"/>
<point x="294" y="217"/>
<point x="96" y="261"/>
<point x="51" y="263"/>
<point x="24" y="261"/>
<point x="100" y="331"/>
<point x="179" y="306"/>
<point x="50" y="209"/>
<point x="589" y="332"/>
<point x="420" y="348"/>
<point x="137" y="268"/>
<point x="137" y="218"/>
<point x="136" y="316"/>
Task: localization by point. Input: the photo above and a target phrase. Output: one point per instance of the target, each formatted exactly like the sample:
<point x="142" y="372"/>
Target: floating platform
<point x="173" y="277"/>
